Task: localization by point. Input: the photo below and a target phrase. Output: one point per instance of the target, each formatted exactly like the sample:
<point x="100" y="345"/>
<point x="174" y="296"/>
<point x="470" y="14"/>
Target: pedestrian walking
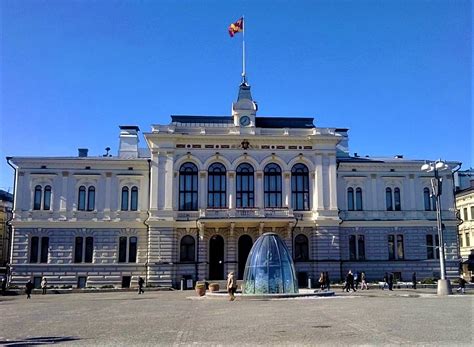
<point x="328" y="282"/>
<point x="363" y="281"/>
<point x="385" y="281"/>
<point x="141" y="281"/>
<point x="462" y="285"/>
<point x="413" y="280"/>
<point x="356" y="280"/>
<point x="28" y="289"/>
<point x="321" y="281"/>
<point x="390" y="282"/>
<point x="231" y="286"/>
<point x="4" y="285"/>
<point x="44" y="285"/>
<point x="350" y="281"/>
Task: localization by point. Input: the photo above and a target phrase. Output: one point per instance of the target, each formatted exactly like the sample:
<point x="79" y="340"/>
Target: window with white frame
<point x="356" y="247"/>
<point x="393" y="199"/>
<point x="127" y="249"/>
<point x="39" y="249"/>
<point x="429" y="200"/>
<point x="272" y="191"/>
<point x="129" y="199"/>
<point x="83" y="249"/>
<point x="42" y="198"/>
<point x="432" y="246"/>
<point x="396" y="250"/>
<point x="86" y="198"/>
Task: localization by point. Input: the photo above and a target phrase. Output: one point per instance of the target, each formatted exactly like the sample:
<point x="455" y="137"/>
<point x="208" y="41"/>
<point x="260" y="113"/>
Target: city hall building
<point x="191" y="204"/>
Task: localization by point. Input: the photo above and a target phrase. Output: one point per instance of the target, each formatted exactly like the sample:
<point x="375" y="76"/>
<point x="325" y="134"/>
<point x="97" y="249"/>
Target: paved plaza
<point x="373" y="317"/>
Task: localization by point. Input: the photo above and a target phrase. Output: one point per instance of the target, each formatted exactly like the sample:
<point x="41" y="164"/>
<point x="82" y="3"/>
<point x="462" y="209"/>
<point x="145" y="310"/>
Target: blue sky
<point x="398" y="74"/>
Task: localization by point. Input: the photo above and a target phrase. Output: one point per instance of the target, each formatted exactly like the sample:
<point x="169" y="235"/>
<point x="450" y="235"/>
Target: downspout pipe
<point x="8" y="223"/>
<point x="147" y="224"/>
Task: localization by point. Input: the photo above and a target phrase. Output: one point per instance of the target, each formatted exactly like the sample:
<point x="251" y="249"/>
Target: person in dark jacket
<point x="350" y="281"/>
<point x="413" y="280"/>
<point x="28" y="289"/>
<point x="141" y="281"/>
<point x="328" y="282"/>
<point x="462" y="285"/>
<point x="390" y="282"/>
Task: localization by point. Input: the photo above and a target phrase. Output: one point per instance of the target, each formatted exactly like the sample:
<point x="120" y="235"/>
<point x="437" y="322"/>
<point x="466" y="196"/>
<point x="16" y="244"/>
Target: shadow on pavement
<point x="40" y="340"/>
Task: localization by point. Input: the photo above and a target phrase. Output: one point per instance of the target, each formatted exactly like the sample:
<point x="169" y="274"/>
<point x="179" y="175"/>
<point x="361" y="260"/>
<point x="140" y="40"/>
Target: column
<point x="231" y="189"/>
<point x="259" y="190"/>
<point x="287" y="189"/>
<point x="154" y="181"/>
<point x="161" y="180"/>
<point x="332" y="184"/>
<point x="319" y="205"/>
<point x="63" y="196"/>
<point x="202" y="189"/>
<point x="169" y="161"/>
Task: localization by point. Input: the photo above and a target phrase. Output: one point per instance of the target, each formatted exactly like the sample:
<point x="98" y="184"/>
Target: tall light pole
<point x="444" y="286"/>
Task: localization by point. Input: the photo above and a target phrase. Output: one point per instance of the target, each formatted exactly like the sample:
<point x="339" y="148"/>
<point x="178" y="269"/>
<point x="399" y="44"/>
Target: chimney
<point x="82" y="152"/>
<point x="128" y="144"/>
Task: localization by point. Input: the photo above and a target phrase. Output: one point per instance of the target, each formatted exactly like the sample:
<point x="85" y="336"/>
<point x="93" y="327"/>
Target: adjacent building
<point x="465" y="206"/>
<point x="191" y="204"/>
<point x="6" y="203"/>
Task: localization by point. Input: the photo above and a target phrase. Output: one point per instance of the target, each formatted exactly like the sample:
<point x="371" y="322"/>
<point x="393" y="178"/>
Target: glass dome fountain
<point x="269" y="268"/>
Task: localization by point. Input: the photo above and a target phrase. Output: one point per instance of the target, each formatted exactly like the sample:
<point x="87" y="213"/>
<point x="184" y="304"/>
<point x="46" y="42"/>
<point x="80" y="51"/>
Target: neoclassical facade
<point x="192" y="203"/>
<point x="465" y="206"/>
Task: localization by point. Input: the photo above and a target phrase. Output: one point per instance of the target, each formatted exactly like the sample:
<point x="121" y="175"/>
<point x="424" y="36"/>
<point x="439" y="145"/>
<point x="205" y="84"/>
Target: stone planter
<point x="214" y="287"/>
<point x="200" y="289"/>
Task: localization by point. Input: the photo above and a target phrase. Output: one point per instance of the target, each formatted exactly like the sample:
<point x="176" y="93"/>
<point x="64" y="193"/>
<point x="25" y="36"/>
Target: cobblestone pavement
<point x="373" y="317"/>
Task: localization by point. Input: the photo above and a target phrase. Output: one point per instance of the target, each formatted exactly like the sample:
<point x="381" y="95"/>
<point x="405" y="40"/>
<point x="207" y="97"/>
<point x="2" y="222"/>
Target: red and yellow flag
<point x="236" y="27"/>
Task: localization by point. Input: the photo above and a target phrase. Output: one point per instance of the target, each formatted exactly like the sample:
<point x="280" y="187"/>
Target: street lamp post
<point x="444" y="286"/>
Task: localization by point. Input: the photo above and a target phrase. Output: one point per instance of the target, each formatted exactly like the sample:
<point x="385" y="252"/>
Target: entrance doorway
<point x="245" y="245"/>
<point x="216" y="258"/>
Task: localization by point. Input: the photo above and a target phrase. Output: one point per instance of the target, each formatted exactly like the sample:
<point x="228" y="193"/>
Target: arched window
<point x="91" y="198"/>
<point x="37" y="198"/>
<point x="124" y="206"/>
<point x="272" y="185"/>
<point x="47" y="198"/>
<point x="81" y="203"/>
<point x="216" y="186"/>
<point x="188" y="187"/>
<point x="350" y="199"/>
<point x="388" y="199"/>
<point x="300" y="187"/>
<point x="397" y="198"/>
<point x="301" y="248"/>
<point x="187" y="249"/>
<point x="134" y="199"/>
<point x="245" y="186"/>
<point x="427" y="199"/>
<point x="359" y="199"/>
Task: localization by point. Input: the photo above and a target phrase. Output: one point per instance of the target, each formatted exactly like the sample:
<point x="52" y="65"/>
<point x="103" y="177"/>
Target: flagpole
<point x="243" y="50"/>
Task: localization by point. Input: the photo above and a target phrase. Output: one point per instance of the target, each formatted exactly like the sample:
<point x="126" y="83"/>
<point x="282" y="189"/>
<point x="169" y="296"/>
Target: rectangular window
<point x="391" y="247"/>
<point x="465" y="214"/>
<point x="468" y="241"/>
<point x="89" y="249"/>
<point x="44" y="249"/>
<point x="460" y="240"/>
<point x="132" y="250"/>
<point x="400" y="250"/>
<point x="79" y="244"/>
<point x="429" y="247"/>
<point x="122" y="249"/>
<point x="34" y="243"/>
<point x="352" y="247"/>
<point x="472" y="212"/>
<point x="361" y="247"/>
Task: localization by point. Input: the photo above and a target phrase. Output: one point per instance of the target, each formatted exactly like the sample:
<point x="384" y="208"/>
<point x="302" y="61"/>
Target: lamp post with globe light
<point x="444" y="286"/>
